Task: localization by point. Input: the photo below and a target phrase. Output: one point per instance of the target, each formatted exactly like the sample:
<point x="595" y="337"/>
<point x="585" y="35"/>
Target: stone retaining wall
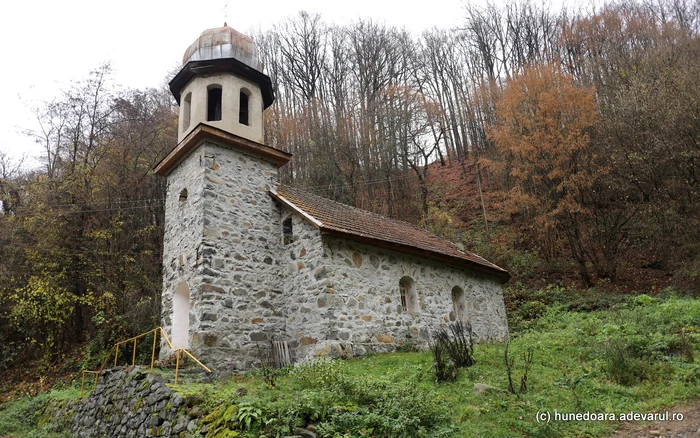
<point x="126" y="403"/>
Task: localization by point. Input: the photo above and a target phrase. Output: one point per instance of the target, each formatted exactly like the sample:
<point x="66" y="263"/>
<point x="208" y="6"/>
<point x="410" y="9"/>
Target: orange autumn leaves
<point x="542" y="135"/>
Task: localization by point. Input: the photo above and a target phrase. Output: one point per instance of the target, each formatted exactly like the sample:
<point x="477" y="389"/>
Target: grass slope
<point x="636" y="357"/>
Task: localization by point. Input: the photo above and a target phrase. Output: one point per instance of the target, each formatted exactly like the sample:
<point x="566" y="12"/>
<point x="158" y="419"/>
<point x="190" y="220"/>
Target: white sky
<point x="46" y="44"/>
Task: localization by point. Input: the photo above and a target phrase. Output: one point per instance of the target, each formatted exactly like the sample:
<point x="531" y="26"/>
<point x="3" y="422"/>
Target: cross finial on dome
<point x="225" y="13"/>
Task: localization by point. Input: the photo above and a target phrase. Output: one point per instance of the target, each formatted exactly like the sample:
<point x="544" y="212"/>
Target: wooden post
<point x="133" y="358"/>
<point x="177" y="364"/>
<point x="153" y="352"/>
<point x="116" y="355"/>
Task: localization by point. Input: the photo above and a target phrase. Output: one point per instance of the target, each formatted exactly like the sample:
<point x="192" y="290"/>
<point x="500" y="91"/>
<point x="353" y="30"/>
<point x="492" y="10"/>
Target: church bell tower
<point x="221" y="291"/>
<point x="222" y="84"/>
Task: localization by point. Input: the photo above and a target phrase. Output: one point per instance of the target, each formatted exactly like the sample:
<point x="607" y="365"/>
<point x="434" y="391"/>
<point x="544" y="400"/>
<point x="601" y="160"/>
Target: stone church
<point x="248" y="261"/>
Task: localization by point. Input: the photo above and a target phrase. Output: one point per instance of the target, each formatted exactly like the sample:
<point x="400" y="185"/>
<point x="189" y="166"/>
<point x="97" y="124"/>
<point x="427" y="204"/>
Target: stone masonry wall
<point x="184" y="222"/>
<point x="224" y="242"/>
<point x="305" y="288"/>
<point x="126" y="403"/>
<point x="237" y="303"/>
<point x="345" y="300"/>
<point x="373" y="314"/>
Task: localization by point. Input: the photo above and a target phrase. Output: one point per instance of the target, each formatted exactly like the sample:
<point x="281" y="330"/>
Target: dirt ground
<point x="689" y="427"/>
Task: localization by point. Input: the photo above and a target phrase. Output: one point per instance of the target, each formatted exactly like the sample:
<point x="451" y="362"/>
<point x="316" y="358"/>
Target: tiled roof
<point x="335" y="218"/>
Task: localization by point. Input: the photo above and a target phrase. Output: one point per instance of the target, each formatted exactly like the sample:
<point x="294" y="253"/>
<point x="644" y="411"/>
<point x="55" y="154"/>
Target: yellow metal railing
<point x="135" y="339"/>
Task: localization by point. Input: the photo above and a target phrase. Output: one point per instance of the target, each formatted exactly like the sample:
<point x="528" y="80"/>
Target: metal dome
<point x="224" y="42"/>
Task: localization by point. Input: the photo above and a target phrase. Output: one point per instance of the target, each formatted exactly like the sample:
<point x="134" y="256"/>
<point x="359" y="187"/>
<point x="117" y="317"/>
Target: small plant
<point x="249" y="416"/>
<point x="453" y="350"/>
<point x="528" y="357"/>
<point x="686" y="346"/>
<point x="622" y="365"/>
<point x="445" y="368"/>
<point x="407" y="347"/>
<point x="572" y="383"/>
<point x="458" y="343"/>
<point x="319" y="373"/>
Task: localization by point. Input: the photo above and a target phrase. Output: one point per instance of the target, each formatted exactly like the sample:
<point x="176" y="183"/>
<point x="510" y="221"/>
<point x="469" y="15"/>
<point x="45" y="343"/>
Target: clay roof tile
<point x="336" y="218"/>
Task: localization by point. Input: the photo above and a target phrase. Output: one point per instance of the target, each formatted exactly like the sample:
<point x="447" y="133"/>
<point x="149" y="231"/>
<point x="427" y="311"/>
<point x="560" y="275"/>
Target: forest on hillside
<point x="564" y="145"/>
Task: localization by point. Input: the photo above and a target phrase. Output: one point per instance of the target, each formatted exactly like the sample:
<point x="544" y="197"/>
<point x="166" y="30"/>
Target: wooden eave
<point x="502" y="275"/>
<point x="203" y="132"/>
<point x="497" y="272"/>
<point x="222" y="65"/>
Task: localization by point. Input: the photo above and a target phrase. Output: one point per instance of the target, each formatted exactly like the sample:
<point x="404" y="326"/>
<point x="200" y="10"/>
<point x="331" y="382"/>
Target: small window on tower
<point x="287" y="232"/>
<point x="183" y="197"/>
<point x="243" y="108"/>
<point x="186" y="110"/>
<point x="214" y="104"/>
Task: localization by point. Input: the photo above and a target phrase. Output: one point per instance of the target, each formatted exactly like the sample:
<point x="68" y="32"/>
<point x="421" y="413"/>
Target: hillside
<point x="635" y="358"/>
<point x="456" y="211"/>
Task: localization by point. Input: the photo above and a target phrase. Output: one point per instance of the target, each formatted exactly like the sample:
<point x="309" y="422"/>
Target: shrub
<point x="528" y="357"/>
<point x="621" y="364"/>
<point x="319" y="373"/>
<point x="384" y="408"/>
<point x="21" y="415"/>
<point x="445" y="368"/>
<point x="458" y="343"/>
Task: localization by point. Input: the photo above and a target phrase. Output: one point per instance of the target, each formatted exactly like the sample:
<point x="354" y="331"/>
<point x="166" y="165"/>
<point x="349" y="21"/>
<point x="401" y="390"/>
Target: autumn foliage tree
<point x="80" y="239"/>
<point x="542" y="134"/>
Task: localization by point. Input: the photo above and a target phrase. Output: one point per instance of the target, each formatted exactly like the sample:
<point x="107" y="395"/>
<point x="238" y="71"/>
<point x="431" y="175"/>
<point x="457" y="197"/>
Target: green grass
<point x="24" y="417"/>
<point x="639" y="355"/>
<point x="572" y="373"/>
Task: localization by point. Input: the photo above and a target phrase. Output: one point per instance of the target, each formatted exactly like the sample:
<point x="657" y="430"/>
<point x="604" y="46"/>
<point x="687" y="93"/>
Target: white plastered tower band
<point x="227" y="98"/>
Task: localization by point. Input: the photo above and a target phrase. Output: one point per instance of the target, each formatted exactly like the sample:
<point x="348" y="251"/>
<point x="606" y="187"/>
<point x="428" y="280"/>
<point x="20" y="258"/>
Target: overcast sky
<point x="46" y="44"/>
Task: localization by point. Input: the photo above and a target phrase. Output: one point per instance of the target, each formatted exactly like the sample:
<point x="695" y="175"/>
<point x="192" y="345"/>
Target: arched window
<point x="458" y="303"/>
<point x="287" y="231"/>
<point x="186" y="111"/>
<point x="243" y="107"/>
<point x="181" y="316"/>
<point x="409" y="296"/>
<point x="214" y="103"/>
<point x="183" y="197"/>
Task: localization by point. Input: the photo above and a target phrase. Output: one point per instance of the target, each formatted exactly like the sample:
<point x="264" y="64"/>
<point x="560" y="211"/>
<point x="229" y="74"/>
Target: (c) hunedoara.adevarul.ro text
<point x="547" y="416"/>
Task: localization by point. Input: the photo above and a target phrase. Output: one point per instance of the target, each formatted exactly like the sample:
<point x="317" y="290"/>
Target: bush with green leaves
<point x="26" y="417"/>
<point x="622" y="365"/>
<point x="385" y="408"/>
<point x="321" y="372"/>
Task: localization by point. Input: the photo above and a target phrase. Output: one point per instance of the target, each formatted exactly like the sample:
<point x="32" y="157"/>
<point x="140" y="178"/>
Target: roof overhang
<point x="293" y="206"/>
<point x="502" y="275"/>
<point x="222" y="65"/>
<point x="203" y="132"/>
